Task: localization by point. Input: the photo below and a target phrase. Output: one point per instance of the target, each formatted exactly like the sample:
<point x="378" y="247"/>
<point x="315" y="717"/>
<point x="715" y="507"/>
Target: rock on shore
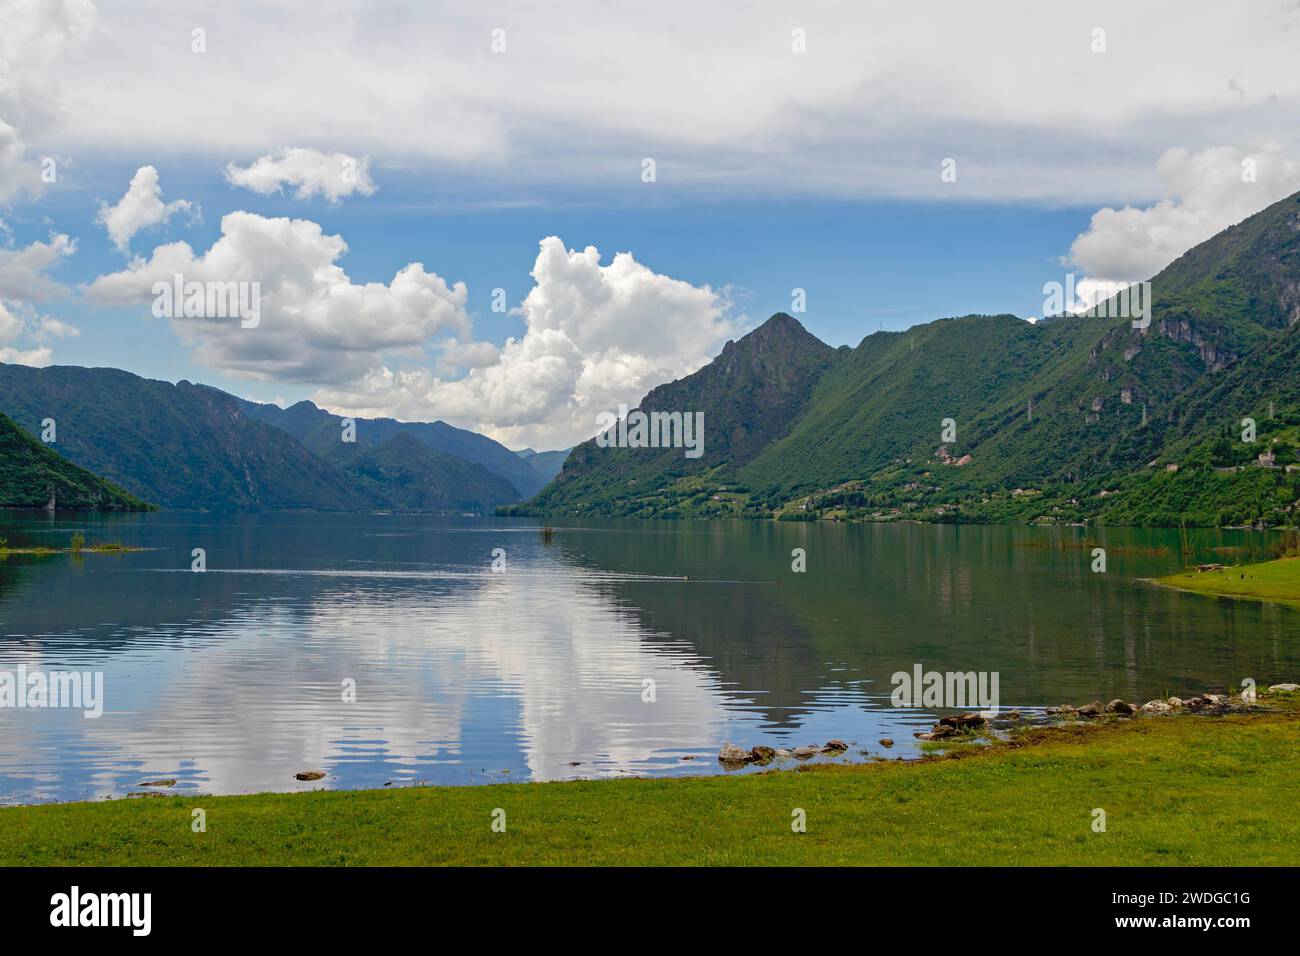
<point x="732" y="756"/>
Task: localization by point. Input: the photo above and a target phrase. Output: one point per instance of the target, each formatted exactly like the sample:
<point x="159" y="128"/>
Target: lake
<point x="235" y="679"/>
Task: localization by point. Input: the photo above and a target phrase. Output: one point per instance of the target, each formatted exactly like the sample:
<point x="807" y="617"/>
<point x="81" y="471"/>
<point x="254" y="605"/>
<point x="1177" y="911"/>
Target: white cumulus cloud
<point x="332" y="175"/>
<point x="24" y="271"/>
<point x="596" y="336"/>
<point x="141" y="207"/>
<point x="48" y="327"/>
<point x="316" y="325"/>
<point x="24" y="334"/>
<point x="1207" y="192"/>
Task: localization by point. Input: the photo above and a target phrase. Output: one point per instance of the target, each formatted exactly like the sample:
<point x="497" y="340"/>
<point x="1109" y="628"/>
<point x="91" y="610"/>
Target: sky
<point x="513" y="219"/>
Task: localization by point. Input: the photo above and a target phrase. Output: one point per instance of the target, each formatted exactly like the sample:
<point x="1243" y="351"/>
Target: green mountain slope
<point x="406" y="475"/>
<point x="1068" y="420"/>
<point x="750" y="394"/>
<point x="180" y="446"/>
<point x="319" y="431"/>
<point x="31" y="476"/>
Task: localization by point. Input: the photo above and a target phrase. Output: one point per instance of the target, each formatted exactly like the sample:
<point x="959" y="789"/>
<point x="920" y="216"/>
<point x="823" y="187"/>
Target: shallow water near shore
<point x="233" y="680"/>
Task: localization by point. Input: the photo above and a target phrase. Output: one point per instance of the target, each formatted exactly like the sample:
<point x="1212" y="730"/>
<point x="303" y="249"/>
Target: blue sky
<point x="793" y="148"/>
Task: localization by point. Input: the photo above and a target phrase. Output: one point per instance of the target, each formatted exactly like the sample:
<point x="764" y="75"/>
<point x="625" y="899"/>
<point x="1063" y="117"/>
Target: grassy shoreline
<point x="77" y="546"/>
<point x="1277" y="580"/>
<point x="45" y="552"/>
<point x="1182" y="790"/>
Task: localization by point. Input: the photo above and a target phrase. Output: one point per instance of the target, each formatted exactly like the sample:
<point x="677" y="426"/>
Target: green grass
<point x="1176" y="790"/>
<point x="111" y="547"/>
<point x="77" y="547"/>
<point x="1268" y="581"/>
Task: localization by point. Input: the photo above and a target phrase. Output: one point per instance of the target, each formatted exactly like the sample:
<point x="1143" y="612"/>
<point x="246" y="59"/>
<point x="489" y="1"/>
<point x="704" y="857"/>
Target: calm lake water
<point x="232" y="680"/>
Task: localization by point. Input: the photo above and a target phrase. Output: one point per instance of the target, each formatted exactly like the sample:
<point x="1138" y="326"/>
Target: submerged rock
<point x="1000" y="714"/>
<point x="730" y="753"/>
<point x="167" y="782"/>
<point x="836" y="745"/>
<point x="309" y="775"/>
<point x="886" y="741"/>
<point x="803" y="753"/>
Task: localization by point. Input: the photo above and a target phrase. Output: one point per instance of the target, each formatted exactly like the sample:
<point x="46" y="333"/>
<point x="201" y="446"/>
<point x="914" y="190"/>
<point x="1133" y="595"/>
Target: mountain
<point x="181" y="446"/>
<point x="547" y="464"/>
<point x="194" y="447"/>
<point x="31" y="476"/>
<point x="750" y="395"/>
<point x="319" y="431"/>
<point x="407" y="475"/>
<point x="1084" y="418"/>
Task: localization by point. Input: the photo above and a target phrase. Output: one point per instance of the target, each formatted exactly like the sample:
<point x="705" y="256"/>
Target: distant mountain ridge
<point x="194" y="447"/>
<point x="180" y="446"/>
<point x="1079" y="419"/>
<point x="547" y="464"/>
<point x="319" y="431"/>
<point x="404" y="474"/>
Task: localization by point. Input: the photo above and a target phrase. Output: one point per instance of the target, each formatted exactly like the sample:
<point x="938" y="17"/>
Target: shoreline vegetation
<point x="1193" y="787"/>
<point x="76" y="546"/>
<point x="1277" y="580"/>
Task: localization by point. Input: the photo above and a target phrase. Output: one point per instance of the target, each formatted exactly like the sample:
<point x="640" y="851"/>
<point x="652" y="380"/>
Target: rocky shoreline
<point x="971" y="724"/>
<point x="731" y="756"/>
